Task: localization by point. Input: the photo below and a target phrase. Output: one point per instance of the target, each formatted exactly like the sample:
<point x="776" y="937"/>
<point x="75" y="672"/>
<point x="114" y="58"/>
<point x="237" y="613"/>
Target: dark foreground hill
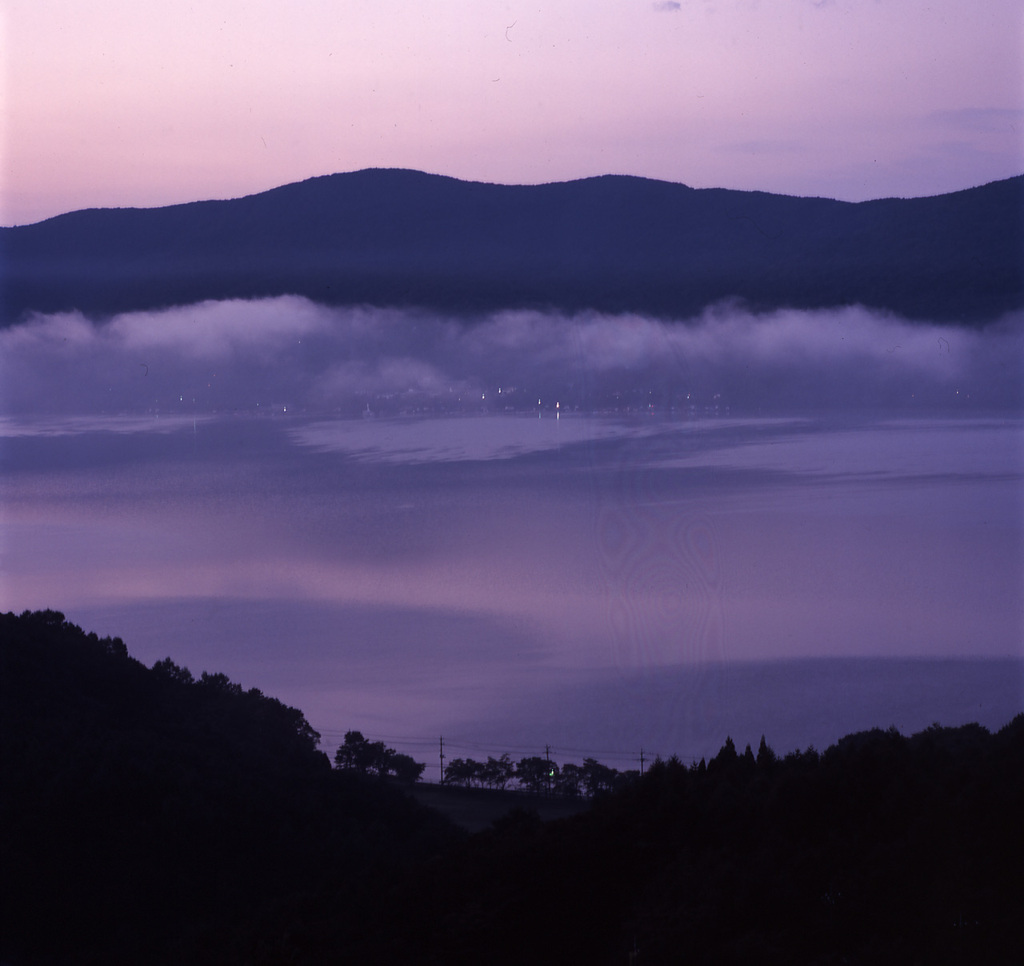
<point x="402" y="238"/>
<point x="147" y="817"/>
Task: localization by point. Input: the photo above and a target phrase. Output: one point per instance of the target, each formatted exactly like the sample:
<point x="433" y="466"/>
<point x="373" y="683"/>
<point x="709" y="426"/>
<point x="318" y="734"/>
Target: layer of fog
<point x="288" y="354"/>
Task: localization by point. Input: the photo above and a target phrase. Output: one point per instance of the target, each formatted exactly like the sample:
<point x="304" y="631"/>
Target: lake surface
<point x="599" y="584"/>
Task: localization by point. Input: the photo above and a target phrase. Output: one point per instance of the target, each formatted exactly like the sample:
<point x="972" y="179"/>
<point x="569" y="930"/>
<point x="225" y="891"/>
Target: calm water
<point x="598" y="584"/>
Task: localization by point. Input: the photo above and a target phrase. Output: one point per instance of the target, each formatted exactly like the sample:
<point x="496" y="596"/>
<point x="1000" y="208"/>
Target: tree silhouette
<point x="570" y="780"/>
<point x="597" y="778"/>
<point x="765" y="756"/>
<point x="498" y="772"/>
<point x="358" y="754"/>
<point x="726" y="757"/>
<point x="168" y="669"/>
<point x="536" y="774"/>
<point x="462" y="771"/>
<point x="405" y="768"/>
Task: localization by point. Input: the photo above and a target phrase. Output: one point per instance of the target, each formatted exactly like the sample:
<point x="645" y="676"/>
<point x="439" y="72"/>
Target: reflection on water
<point x="466" y="438"/>
<point x="417" y="576"/>
<point x="21" y="426"/>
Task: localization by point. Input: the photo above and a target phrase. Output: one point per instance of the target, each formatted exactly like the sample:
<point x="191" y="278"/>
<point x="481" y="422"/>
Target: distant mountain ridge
<point x="611" y="243"/>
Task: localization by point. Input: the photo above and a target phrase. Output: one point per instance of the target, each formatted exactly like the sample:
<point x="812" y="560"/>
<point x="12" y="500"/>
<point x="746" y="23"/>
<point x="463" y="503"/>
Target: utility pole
<point x="547" y="758"/>
<point x="641" y="761"/>
<point x="442" y="759"/>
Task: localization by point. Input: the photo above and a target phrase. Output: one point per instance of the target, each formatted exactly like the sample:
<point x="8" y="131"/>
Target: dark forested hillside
<point x="881" y="850"/>
<point x="147" y="816"/>
<point x="391" y="237"/>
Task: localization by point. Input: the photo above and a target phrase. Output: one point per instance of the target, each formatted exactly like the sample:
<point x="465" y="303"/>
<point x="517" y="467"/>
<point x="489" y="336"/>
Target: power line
<point x="468" y="746"/>
<point x="471" y="744"/>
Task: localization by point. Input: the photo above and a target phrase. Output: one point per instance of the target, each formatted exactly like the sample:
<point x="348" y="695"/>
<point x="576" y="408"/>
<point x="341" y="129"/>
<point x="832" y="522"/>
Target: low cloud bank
<point x="289" y="352"/>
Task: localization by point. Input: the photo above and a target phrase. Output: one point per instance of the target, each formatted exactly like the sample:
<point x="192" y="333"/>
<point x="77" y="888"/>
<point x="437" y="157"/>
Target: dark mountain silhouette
<point x="150" y="817"/>
<point x="613" y="243"/>
<point x="147" y="816"/>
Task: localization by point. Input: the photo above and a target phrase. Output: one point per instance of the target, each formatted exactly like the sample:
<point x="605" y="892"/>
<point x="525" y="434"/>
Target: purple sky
<point x="124" y="103"/>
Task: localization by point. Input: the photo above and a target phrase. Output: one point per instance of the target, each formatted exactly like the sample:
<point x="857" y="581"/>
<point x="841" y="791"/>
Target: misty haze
<point x="589" y="531"/>
<point x="544" y="534"/>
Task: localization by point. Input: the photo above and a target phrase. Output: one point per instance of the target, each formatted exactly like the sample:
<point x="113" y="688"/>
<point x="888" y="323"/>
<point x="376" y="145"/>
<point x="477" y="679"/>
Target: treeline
<point x="882" y="849"/>
<point x="358" y="754"/>
<point x="148" y="816"/>
<point x="537" y="774"/>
